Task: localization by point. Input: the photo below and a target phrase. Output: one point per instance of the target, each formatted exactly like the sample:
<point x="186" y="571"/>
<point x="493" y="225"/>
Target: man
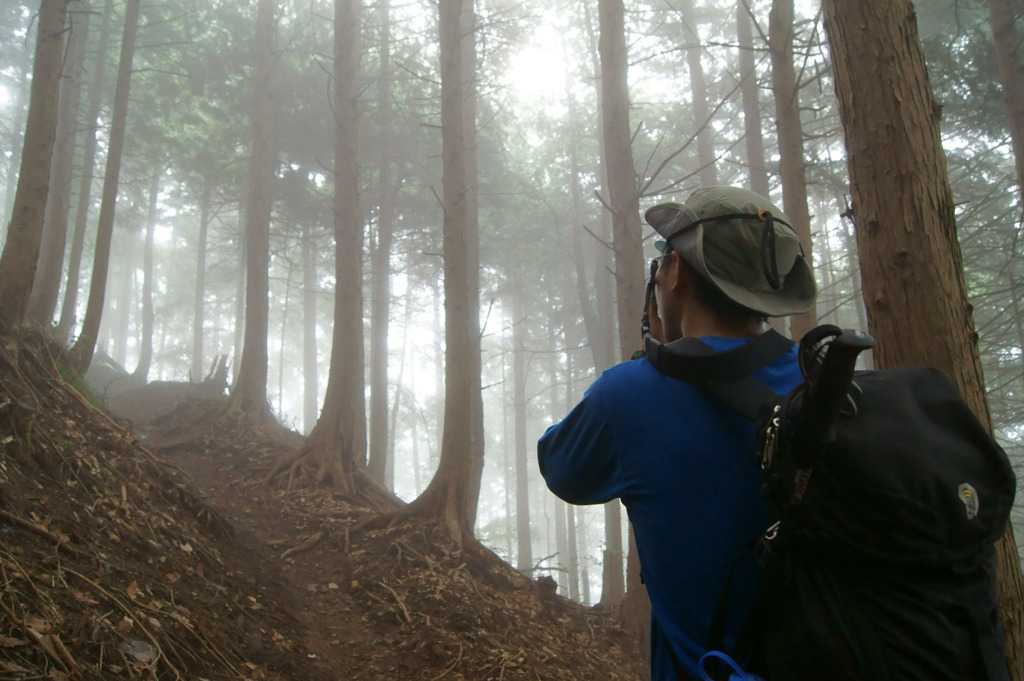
<point x="681" y="461"/>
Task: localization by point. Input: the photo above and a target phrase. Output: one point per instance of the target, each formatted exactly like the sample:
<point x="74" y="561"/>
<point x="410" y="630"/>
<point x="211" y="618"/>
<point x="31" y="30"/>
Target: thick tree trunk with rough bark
<point x="21" y="251"/>
<point x="624" y="203"/>
<point x="80" y="355"/>
<point x="911" y="266"/>
<point x="337" y="445"/>
<point x="792" y="167"/>
<point x="447" y="496"/>
<point x="468" y="32"/>
<point x="1008" y="31"/>
<point x="46" y="285"/>
<point x="623" y="197"/>
<point x="249" y="394"/>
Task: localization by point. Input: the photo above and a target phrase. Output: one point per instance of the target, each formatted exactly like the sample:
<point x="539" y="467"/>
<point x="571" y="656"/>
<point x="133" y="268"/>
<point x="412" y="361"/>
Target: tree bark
<point x="573" y="558"/>
<point x="613" y="582"/>
<point x="626" y="236"/>
<point x="381" y="296"/>
<point x="46" y="285"/>
<point x="792" y="166"/>
<point x="249" y="395"/>
<point x="199" y="297"/>
<point x="757" y="168"/>
<point x="561" y="546"/>
<point x="524" y="542"/>
<point x="911" y="266"/>
<point x="467" y="32"/>
<point x="310" y="378"/>
<point x="1008" y="32"/>
<point x="146" y="340"/>
<point x="80" y="355"/>
<point x="624" y="198"/>
<point x="69" y="306"/>
<point x="337" y="445"/>
<point x="16" y="141"/>
<point x="447" y="496"/>
<point x="21" y="251"/>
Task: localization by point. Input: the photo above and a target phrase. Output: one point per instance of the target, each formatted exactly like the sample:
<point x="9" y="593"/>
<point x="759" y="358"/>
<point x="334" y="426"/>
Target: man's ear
<point x="681" y="276"/>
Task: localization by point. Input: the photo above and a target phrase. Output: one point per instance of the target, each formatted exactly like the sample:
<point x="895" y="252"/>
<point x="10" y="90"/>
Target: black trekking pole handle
<point x="828" y="391"/>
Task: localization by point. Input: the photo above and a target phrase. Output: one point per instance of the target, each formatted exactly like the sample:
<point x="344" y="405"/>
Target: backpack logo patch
<point x="969" y="496"/>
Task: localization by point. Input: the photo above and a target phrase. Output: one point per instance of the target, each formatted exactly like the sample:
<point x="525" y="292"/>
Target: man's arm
<point x="578" y="457"/>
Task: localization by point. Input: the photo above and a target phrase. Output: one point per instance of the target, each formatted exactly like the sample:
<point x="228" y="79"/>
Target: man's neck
<point x="699" y="322"/>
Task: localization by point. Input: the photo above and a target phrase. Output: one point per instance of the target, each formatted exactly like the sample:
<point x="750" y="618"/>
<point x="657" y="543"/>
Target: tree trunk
<point x="792" y="166"/>
<point x="249" y="395"/>
<point x="240" y="288"/>
<point x="573" y="558"/>
<point x="117" y="316"/>
<point x="561" y="546"/>
<point x="146" y="341"/>
<point x="80" y="355"/>
<point x="69" y="307"/>
<point x="337" y="444"/>
<point x="756" y="165"/>
<point x="46" y="286"/>
<point x="603" y="336"/>
<point x="310" y="378"/>
<point x="21" y="251"/>
<point x="1008" y="31"/>
<point x="613" y="583"/>
<point x="381" y="296"/>
<point x="199" y="299"/>
<point x="283" y="343"/>
<point x="467" y="31"/>
<point x="16" y="141"/>
<point x="622" y="190"/>
<point x="524" y="543"/>
<point x="626" y="236"/>
<point x="912" y="271"/>
<point x="447" y="496"/>
<point x="699" y="92"/>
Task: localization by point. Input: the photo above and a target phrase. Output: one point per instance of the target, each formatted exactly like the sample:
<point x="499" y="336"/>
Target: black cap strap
<point x="769" y="263"/>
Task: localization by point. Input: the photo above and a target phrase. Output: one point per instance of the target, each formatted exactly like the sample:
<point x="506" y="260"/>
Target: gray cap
<point x="743" y="244"/>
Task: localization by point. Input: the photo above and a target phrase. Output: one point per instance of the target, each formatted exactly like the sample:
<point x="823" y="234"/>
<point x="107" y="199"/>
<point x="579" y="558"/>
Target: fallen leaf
<point x="132" y="590"/>
<point x="36" y="624"/>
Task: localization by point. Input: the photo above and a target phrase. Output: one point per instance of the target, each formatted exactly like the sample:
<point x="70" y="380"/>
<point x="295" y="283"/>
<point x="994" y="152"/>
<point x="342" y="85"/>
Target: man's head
<point x="743" y="246"/>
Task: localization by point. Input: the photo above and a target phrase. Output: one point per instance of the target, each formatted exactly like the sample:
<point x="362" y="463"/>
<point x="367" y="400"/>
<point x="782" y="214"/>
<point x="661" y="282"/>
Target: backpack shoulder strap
<point x="726" y="375"/>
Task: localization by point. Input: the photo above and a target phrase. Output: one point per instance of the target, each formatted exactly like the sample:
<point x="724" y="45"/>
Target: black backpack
<point x="889" y="497"/>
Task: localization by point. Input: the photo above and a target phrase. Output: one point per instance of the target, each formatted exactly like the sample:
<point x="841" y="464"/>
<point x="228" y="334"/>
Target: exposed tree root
<point x="305" y="545"/>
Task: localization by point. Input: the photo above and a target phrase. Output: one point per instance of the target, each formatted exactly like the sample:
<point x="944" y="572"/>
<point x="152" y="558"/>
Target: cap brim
<point x="796" y="295"/>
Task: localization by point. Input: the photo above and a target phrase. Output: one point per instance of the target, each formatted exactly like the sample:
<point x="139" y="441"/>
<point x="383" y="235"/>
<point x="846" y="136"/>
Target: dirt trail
<point x="167" y="558"/>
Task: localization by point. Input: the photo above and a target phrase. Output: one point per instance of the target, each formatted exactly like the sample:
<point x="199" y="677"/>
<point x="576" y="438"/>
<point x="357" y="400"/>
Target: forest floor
<point x="169" y="558"/>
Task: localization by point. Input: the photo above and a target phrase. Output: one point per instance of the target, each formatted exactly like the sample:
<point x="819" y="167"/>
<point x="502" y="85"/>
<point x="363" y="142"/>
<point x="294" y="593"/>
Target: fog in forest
<point x="703" y="109"/>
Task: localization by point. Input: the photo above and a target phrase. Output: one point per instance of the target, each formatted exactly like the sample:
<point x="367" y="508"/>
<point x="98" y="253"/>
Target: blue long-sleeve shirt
<point x="683" y="464"/>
